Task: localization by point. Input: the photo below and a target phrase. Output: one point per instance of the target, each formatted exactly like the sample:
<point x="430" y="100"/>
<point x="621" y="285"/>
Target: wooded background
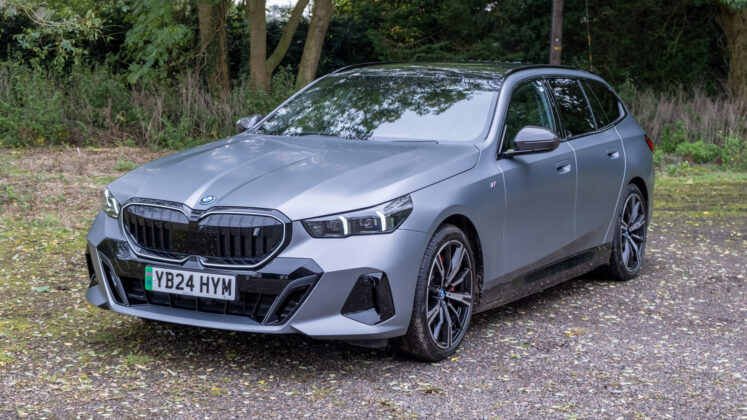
<point x="169" y="73"/>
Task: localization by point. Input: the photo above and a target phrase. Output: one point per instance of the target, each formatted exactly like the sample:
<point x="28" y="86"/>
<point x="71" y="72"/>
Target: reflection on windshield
<point x="389" y="107"/>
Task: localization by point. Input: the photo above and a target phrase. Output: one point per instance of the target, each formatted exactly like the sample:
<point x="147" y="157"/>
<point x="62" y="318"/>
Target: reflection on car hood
<point x="301" y="177"/>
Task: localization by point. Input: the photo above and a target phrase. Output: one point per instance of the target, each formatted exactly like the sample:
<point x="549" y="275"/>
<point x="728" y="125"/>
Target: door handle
<point x="612" y="153"/>
<point x="563" y="166"/>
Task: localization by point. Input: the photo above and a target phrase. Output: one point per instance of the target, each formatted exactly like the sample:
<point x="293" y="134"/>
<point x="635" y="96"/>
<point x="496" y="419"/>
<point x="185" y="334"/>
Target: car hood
<point x="300" y="176"/>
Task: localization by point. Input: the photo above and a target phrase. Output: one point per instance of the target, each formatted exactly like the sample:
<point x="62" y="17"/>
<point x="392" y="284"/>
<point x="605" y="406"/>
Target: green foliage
<point x="699" y="152"/>
<point x="53" y="37"/>
<point x="658" y="157"/>
<point x="672" y="44"/>
<point x="124" y="165"/>
<point x="88" y="72"/>
<point x="31" y="108"/>
<point x="160" y="41"/>
<point x="673" y="137"/>
<point x="679" y="169"/>
<point x="735" y="4"/>
<point x="94" y="106"/>
<point x="734" y="152"/>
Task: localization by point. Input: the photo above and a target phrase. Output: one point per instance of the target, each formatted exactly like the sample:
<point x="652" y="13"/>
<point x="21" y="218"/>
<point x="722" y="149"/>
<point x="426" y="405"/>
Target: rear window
<point x="603" y="98"/>
<point x="575" y="113"/>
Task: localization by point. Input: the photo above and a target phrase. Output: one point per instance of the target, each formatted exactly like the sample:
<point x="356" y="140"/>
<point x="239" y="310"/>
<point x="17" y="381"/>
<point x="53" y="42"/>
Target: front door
<point x="540" y="189"/>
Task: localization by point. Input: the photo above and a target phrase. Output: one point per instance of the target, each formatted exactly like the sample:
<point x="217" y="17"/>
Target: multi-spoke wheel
<point x="629" y="241"/>
<point x="444" y="297"/>
<point x="632" y="232"/>
<point x="449" y="293"/>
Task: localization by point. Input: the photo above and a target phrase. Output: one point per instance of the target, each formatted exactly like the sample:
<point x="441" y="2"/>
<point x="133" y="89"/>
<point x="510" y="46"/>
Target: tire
<point x="451" y="306"/>
<point x="629" y="239"/>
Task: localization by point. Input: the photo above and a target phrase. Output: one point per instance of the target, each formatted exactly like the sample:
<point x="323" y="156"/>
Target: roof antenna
<point x="588" y="36"/>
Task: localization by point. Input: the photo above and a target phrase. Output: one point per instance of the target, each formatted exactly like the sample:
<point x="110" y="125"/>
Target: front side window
<point x="528" y="106"/>
<point x="575" y="114"/>
<point x="389" y="108"/>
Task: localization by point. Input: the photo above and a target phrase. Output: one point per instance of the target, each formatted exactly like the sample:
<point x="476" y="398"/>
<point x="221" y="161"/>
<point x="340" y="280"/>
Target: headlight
<point x="383" y="218"/>
<point x="109" y="204"/>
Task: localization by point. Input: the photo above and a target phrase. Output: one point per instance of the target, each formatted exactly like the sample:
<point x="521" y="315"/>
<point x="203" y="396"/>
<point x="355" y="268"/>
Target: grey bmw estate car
<point x="383" y="204"/>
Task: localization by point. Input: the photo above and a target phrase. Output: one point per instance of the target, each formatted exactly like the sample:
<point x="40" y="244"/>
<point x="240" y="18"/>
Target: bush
<point x="658" y="157"/>
<point x="734" y="153"/>
<point x="671" y="118"/>
<point x="93" y="106"/>
<point x="673" y="137"/>
<point x="699" y="152"/>
<point x="31" y="108"/>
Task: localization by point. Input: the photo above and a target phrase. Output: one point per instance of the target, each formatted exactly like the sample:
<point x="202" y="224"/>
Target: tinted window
<point x="574" y="110"/>
<point x="607" y="100"/>
<point x="600" y="115"/>
<point x="384" y="107"/>
<point x="529" y="106"/>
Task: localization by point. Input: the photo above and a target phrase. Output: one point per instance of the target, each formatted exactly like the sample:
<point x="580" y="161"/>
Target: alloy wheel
<point x="632" y="233"/>
<point x="449" y="298"/>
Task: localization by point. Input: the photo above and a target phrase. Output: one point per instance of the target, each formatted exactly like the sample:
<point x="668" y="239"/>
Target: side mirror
<point x="246" y="123"/>
<point x="531" y="139"/>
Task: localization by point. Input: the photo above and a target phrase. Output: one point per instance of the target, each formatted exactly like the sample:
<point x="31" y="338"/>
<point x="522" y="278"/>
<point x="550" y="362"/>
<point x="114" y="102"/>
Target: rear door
<point x="599" y="154"/>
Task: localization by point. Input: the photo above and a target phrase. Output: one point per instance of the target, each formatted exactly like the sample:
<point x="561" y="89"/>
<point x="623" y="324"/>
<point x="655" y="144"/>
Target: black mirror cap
<point x="533" y="139"/>
<point x="246" y="123"/>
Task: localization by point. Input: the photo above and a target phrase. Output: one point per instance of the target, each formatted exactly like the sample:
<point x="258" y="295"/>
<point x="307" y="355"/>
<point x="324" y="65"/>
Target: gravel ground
<point x="669" y="344"/>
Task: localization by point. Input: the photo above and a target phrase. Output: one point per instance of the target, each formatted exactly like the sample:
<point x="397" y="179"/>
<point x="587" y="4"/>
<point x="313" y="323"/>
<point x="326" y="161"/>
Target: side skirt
<point x="545" y="277"/>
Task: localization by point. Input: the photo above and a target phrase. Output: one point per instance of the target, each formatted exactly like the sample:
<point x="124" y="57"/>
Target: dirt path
<point x="671" y="343"/>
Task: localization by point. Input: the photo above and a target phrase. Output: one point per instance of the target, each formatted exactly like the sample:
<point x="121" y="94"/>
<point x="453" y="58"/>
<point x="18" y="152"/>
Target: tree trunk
<point x="258" y="46"/>
<point x="734" y="24"/>
<point x="312" y="49"/>
<point x="556" y="36"/>
<point x="285" y="39"/>
<point x="213" y="48"/>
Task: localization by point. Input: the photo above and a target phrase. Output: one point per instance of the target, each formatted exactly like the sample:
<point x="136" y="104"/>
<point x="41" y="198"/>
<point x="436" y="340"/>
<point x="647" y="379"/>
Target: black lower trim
<point x="370" y="301"/>
<point x="516" y="287"/>
<point x="268" y="296"/>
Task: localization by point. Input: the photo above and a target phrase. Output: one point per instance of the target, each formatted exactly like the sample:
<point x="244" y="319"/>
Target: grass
<point x="124" y="165"/>
<point x="715" y="194"/>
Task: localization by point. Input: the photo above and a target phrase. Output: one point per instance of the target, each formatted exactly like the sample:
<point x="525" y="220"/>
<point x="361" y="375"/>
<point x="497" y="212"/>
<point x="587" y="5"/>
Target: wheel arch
<point x="641" y="184"/>
<point x="465" y="225"/>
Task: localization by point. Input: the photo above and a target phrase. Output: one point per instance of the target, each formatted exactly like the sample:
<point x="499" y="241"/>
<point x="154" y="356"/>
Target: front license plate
<point x="190" y="283"/>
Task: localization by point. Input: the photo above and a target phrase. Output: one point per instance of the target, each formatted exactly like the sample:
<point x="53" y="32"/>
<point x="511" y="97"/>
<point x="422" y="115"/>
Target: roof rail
<point x="519" y="66"/>
<point x="541" y="66"/>
<point x="360" y="65"/>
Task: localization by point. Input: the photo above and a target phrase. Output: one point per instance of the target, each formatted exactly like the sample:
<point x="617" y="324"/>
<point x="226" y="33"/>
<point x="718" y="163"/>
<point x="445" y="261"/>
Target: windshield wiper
<point x="313" y="133"/>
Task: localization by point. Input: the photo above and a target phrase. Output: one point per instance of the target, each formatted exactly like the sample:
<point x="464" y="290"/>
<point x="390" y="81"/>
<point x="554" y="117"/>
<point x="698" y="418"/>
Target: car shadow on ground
<point x="190" y="346"/>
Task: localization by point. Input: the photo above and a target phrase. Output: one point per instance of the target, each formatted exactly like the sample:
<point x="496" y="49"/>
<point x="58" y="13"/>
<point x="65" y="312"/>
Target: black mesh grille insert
<point x="221" y="238"/>
<point x="260" y="307"/>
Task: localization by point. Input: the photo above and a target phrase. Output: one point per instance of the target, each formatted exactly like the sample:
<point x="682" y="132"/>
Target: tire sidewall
<point x="419" y="324"/>
<point x="618" y="267"/>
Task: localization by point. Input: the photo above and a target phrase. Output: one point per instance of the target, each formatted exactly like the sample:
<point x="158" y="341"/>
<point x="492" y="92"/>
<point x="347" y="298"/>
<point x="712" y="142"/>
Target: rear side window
<point x="575" y="113"/>
<point x="606" y="100"/>
<point x="600" y="115"/>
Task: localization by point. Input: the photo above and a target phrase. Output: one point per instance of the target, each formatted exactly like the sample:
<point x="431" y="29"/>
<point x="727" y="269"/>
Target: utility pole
<point x="556" y="37"/>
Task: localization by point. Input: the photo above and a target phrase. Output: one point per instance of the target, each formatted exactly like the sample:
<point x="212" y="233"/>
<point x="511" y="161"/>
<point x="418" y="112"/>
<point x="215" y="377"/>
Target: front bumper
<point x="324" y="270"/>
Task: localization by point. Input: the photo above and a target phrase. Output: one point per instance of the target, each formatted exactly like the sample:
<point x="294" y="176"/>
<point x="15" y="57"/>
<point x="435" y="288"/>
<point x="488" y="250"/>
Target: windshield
<point x="388" y="107"/>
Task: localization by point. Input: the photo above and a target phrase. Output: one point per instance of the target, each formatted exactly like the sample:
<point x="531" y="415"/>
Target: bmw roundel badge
<point x="208" y="199"/>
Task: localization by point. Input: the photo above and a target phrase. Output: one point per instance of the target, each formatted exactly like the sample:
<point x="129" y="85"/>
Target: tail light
<point x="649" y="142"/>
